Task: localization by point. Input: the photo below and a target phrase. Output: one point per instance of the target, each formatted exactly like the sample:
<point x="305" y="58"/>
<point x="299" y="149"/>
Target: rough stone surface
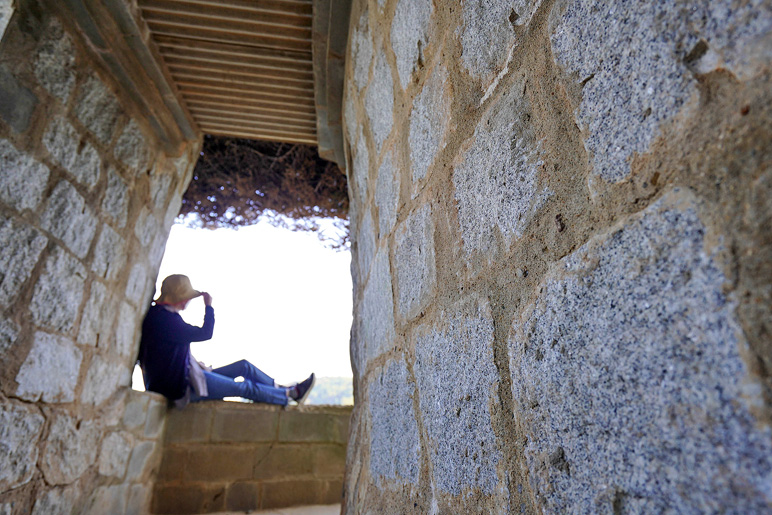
<point x="68" y="218"/>
<point x="125" y="333"/>
<point x="71" y="447"/>
<point x="22" y="179"/>
<point x="414" y="262"/>
<point x="20" y="427"/>
<point x="366" y="245"/>
<point x="160" y="184"/>
<point x="630" y="90"/>
<point x="409" y="36"/>
<point x="627" y="368"/>
<point x="137" y="284"/>
<point x="454" y="369"/>
<point x="131" y="149"/>
<point x="109" y="254"/>
<point x="50" y="372"/>
<point x="378" y="309"/>
<point x="134" y="414"/>
<point x="57" y="501"/>
<point x="361" y="166"/>
<point x="114" y="455"/>
<point x="428" y="123"/>
<point x="108" y="499"/>
<point x="55" y="62"/>
<point x="496" y="183"/>
<point x="97" y="109"/>
<point x="116" y="201"/>
<point x="8" y="333"/>
<point x="77" y="157"/>
<point x="58" y="293"/>
<point x="142" y="456"/>
<point x="487" y="36"/>
<point x="379" y="102"/>
<point x="139" y="499"/>
<point x="17" y="102"/>
<point x="20" y="249"/>
<point x="157" y="248"/>
<point x="394" y="440"/>
<point x="6" y="11"/>
<point x="98" y="316"/>
<point x="103" y="379"/>
<point x="362" y="51"/>
<point x="146" y="227"/>
<point x="387" y="196"/>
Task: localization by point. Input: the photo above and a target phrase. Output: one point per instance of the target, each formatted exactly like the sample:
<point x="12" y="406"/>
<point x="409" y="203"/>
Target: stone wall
<point x="88" y="192"/>
<point x="561" y="256"/>
<point x="221" y="456"/>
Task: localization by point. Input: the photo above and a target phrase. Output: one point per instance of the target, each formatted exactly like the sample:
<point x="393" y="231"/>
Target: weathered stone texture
<point x="414" y="262"/>
<point x="387" y="196"/>
<point x="377" y="309"/>
<point x="627" y="368"/>
<point x="362" y="51"/>
<point x="394" y="439"/>
<point x="103" y="379"/>
<point x="58" y="293"/>
<point x="50" y="354"/>
<point x="137" y="285"/>
<point x="109" y="254"/>
<point x="409" y="35"/>
<point x="366" y="245"/>
<point x="57" y="501"/>
<point x="488" y="36"/>
<point x="71" y="448"/>
<point x="496" y="183"/>
<point x="457" y="381"/>
<point x="116" y="201"/>
<point x="379" y="101"/>
<point x="97" y="109"/>
<point x="22" y="179"/>
<point x="146" y="227"/>
<point x="77" y="157"/>
<point x="69" y="218"/>
<point x="428" y="123"/>
<point x="638" y="64"/>
<point x="98" y="316"/>
<point x="125" y="333"/>
<point x="131" y="148"/>
<point x="17" y="102"/>
<point x="20" y="249"/>
<point x="20" y="428"/>
<point x="108" y="499"/>
<point x="55" y="62"/>
<point x="361" y="166"/>
<point x="114" y="454"/>
<point x="8" y="333"/>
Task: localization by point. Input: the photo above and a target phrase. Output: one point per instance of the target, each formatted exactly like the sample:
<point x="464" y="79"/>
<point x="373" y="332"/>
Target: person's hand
<point x="207" y="299"/>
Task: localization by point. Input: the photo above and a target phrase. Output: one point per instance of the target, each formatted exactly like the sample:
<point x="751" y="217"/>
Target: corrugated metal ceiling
<point x="243" y="67"/>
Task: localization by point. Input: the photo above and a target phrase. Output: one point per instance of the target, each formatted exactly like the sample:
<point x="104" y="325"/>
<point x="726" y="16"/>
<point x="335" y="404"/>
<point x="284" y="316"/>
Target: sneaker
<point x="302" y="389"/>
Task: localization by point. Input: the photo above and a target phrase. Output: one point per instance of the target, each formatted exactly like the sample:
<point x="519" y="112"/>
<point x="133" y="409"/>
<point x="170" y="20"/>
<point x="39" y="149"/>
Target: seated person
<point x="169" y="368"/>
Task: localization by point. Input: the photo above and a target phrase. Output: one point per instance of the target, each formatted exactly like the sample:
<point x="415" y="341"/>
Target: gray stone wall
<point x="562" y="257"/>
<point x="87" y="196"/>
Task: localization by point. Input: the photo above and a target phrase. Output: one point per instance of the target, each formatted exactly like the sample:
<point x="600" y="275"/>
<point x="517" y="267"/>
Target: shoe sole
<point x="301" y="400"/>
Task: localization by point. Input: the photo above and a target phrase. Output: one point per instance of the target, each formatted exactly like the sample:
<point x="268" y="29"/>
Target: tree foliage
<point x="238" y="182"/>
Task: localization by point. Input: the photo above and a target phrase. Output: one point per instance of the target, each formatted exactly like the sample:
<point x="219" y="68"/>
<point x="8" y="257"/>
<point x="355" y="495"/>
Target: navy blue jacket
<point x="164" y="349"/>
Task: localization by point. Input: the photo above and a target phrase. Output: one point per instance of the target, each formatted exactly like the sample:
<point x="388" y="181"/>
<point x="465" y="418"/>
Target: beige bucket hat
<point x="175" y="289"/>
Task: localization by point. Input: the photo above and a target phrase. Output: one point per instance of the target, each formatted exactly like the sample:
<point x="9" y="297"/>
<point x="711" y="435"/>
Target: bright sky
<point x="281" y="299"/>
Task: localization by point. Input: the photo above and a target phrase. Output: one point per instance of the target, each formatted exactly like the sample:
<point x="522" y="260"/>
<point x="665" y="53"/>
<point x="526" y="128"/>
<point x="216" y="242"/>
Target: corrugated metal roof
<point x="243" y="67"/>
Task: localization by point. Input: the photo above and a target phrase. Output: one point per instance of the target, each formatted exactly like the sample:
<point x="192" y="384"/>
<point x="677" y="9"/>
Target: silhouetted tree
<point x="237" y="182"/>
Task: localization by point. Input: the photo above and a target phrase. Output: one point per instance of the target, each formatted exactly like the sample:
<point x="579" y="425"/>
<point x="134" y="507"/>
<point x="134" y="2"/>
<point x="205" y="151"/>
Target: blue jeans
<point x="257" y="386"/>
